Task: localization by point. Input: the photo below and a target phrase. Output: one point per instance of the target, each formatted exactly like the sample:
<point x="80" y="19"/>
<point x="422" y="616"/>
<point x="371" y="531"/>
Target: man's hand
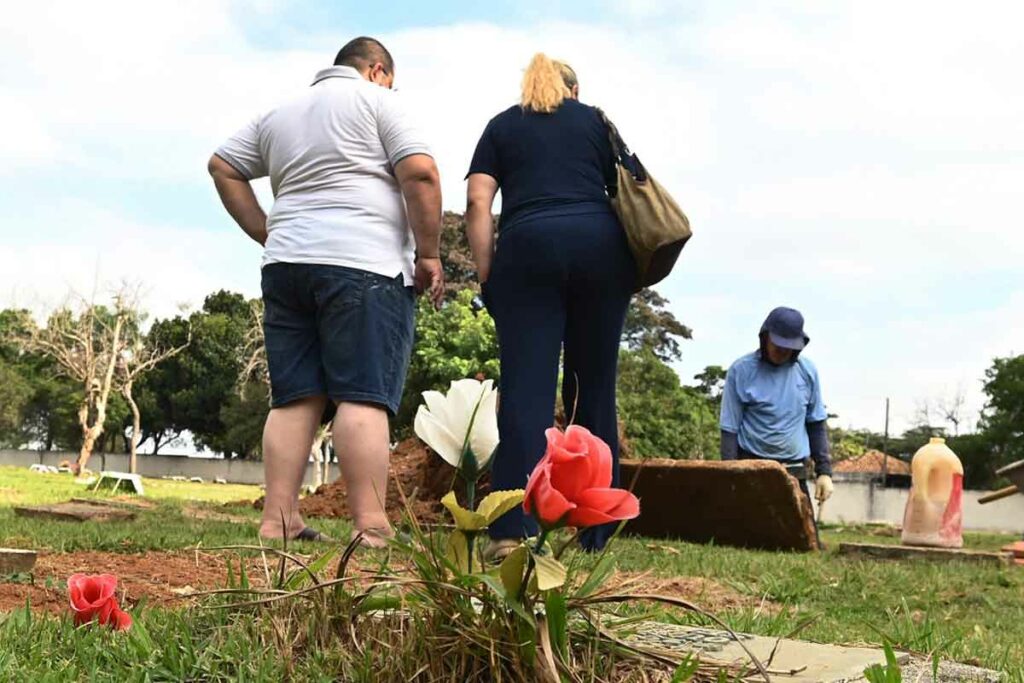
<point x="429" y="279"/>
<point x="823" y="488"/>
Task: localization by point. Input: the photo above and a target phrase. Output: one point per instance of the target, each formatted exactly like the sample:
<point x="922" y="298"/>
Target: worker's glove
<point x="823" y="488"/>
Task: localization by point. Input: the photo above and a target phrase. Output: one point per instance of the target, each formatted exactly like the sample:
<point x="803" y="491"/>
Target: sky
<point x="860" y="161"/>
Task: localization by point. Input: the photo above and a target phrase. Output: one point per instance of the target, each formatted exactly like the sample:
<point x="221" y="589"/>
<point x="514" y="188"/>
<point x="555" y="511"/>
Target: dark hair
<point x="362" y="52"/>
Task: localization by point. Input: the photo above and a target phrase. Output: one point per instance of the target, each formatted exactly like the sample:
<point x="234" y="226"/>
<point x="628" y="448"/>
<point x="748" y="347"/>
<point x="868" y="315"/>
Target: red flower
<point x="92" y="597"/>
<point x="571" y="485"/>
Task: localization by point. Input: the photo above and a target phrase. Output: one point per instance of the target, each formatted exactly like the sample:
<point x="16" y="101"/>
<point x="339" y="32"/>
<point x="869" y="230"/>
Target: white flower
<point x="470" y="407"/>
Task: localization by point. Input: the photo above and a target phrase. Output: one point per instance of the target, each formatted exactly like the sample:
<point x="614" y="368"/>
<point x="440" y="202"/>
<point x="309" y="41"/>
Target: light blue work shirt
<point x="768" y="406"/>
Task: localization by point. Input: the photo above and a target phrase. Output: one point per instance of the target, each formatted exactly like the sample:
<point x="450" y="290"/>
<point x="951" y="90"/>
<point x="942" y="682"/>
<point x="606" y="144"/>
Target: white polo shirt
<point x="330" y="154"/>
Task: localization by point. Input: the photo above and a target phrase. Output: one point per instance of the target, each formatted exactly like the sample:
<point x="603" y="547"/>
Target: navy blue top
<point x="557" y="164"/>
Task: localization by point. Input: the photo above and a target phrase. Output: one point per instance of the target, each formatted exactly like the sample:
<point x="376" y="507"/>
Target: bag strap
<point x="621" y="152"/>
<point x="619" y="147"/>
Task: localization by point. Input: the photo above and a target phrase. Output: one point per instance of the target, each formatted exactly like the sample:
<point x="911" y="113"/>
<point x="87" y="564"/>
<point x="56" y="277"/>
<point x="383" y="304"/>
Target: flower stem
<point x="471" y="494"/>
<point x="470" y="542"/>
<point x="540" y="541"/>
<point x="529" y="567"/>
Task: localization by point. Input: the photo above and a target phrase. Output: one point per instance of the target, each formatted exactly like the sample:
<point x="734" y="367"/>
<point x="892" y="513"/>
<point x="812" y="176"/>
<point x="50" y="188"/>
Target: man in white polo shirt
<point x="354" y="229"/>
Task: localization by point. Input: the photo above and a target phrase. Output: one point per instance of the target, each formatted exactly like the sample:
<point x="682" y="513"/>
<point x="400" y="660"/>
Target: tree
<point x="649" y="325"/>
<point x="952" y="409"/>
<point x="160" y="392"/>
<point x="15" y="393"/>
<point x="452" y="343"/>
<point x="662" y="418"/>
<point x="192" y="390"/>
<point x="86" y="346"/>
<point x="243" y="416"/>
<point x="1003" y="419"/>
<point x="459" y="268"/>
<point x="711" y="382"/>
<point x="140" y="356"/>
<point x="15" y="388"/>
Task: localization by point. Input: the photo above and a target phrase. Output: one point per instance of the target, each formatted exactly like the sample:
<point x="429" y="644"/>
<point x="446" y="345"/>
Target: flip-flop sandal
<point x="310" y="534"/>
<point x="369" y="535"/>
<point x="497" y="550"/>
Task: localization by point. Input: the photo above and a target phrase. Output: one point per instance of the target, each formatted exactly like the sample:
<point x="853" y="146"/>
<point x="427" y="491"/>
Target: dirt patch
<point x="707" y="594"/>
<point x="162" y="578"/>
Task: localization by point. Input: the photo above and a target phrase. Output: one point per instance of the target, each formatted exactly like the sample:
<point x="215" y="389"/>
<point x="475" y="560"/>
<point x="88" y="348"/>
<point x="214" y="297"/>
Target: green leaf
<point x="243" y="575"/>
<point x="498" y="503"/>
<point x="466" y="520"/>
<point x="601" y="571"/>
<point x="686" y="670"/>
<point x="550" y="572"/>
<point x="458" y="549"/>
<point x="300" y="577"/>
<point x="512" y="569"/>
<point x="556" y="612"/>
<point x="510" y="600"/>
<point x="379" y="603"/>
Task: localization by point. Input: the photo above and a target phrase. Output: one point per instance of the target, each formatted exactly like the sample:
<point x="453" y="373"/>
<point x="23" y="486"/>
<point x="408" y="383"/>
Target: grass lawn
<point x="966" y="612"/>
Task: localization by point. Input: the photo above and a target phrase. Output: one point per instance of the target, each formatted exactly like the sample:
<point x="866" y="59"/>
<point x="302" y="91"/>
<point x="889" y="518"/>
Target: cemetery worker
<point x="354" y="229"/>
<point x="772" y="406"/>
<point x="558" y="278"/>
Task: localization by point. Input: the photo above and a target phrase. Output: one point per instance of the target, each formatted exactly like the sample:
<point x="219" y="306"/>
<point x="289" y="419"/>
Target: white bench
<point x="118" y="478"/>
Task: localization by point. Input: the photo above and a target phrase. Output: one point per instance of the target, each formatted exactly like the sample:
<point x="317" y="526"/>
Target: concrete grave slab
<point x="16" y="561"/>
<point x="795" y="661"/>
<point x="76" y="512"/>
<point x="903" y="552"/>
<point x="119" y="502"/>
<point x="745" y="503"/>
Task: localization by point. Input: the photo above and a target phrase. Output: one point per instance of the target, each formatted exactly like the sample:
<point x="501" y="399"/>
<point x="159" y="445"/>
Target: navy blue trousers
<point x="556" y="283"/>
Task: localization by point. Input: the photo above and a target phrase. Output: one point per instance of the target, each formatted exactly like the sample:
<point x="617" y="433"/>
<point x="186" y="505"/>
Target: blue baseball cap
<point x="785" y="327"/>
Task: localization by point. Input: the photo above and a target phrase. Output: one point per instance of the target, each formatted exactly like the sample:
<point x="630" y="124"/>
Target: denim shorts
<point x="338" y="332"/>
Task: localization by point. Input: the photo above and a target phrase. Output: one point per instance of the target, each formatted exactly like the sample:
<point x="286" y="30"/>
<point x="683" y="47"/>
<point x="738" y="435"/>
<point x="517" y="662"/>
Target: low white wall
<point x="860" y="501"/>
<point x="234" y="471"/>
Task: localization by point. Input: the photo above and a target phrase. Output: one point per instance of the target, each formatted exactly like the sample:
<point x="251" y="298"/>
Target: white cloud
<point x="173" y="266"/>
<point x="847" y="158"/>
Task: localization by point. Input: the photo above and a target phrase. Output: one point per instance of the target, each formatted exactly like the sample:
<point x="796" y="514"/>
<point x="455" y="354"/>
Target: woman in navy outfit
<point x="559" y="278"/>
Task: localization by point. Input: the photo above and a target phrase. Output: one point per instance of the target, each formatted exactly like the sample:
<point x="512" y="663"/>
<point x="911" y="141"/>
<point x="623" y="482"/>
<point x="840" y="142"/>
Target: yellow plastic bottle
<point x="934" y="514"/>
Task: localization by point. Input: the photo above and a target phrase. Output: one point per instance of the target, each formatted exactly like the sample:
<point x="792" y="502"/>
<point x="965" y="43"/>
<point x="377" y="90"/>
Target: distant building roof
<point x="873" y="461"/>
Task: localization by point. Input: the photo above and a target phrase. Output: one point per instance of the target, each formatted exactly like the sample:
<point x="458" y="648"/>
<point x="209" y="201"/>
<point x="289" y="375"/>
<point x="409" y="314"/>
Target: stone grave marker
<point x="745" y="503"/>
<point x="908" y="552"/>
<point x="16" y="561"/>
<point x="795" y="661"/>
<point x="76" y="512"/>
